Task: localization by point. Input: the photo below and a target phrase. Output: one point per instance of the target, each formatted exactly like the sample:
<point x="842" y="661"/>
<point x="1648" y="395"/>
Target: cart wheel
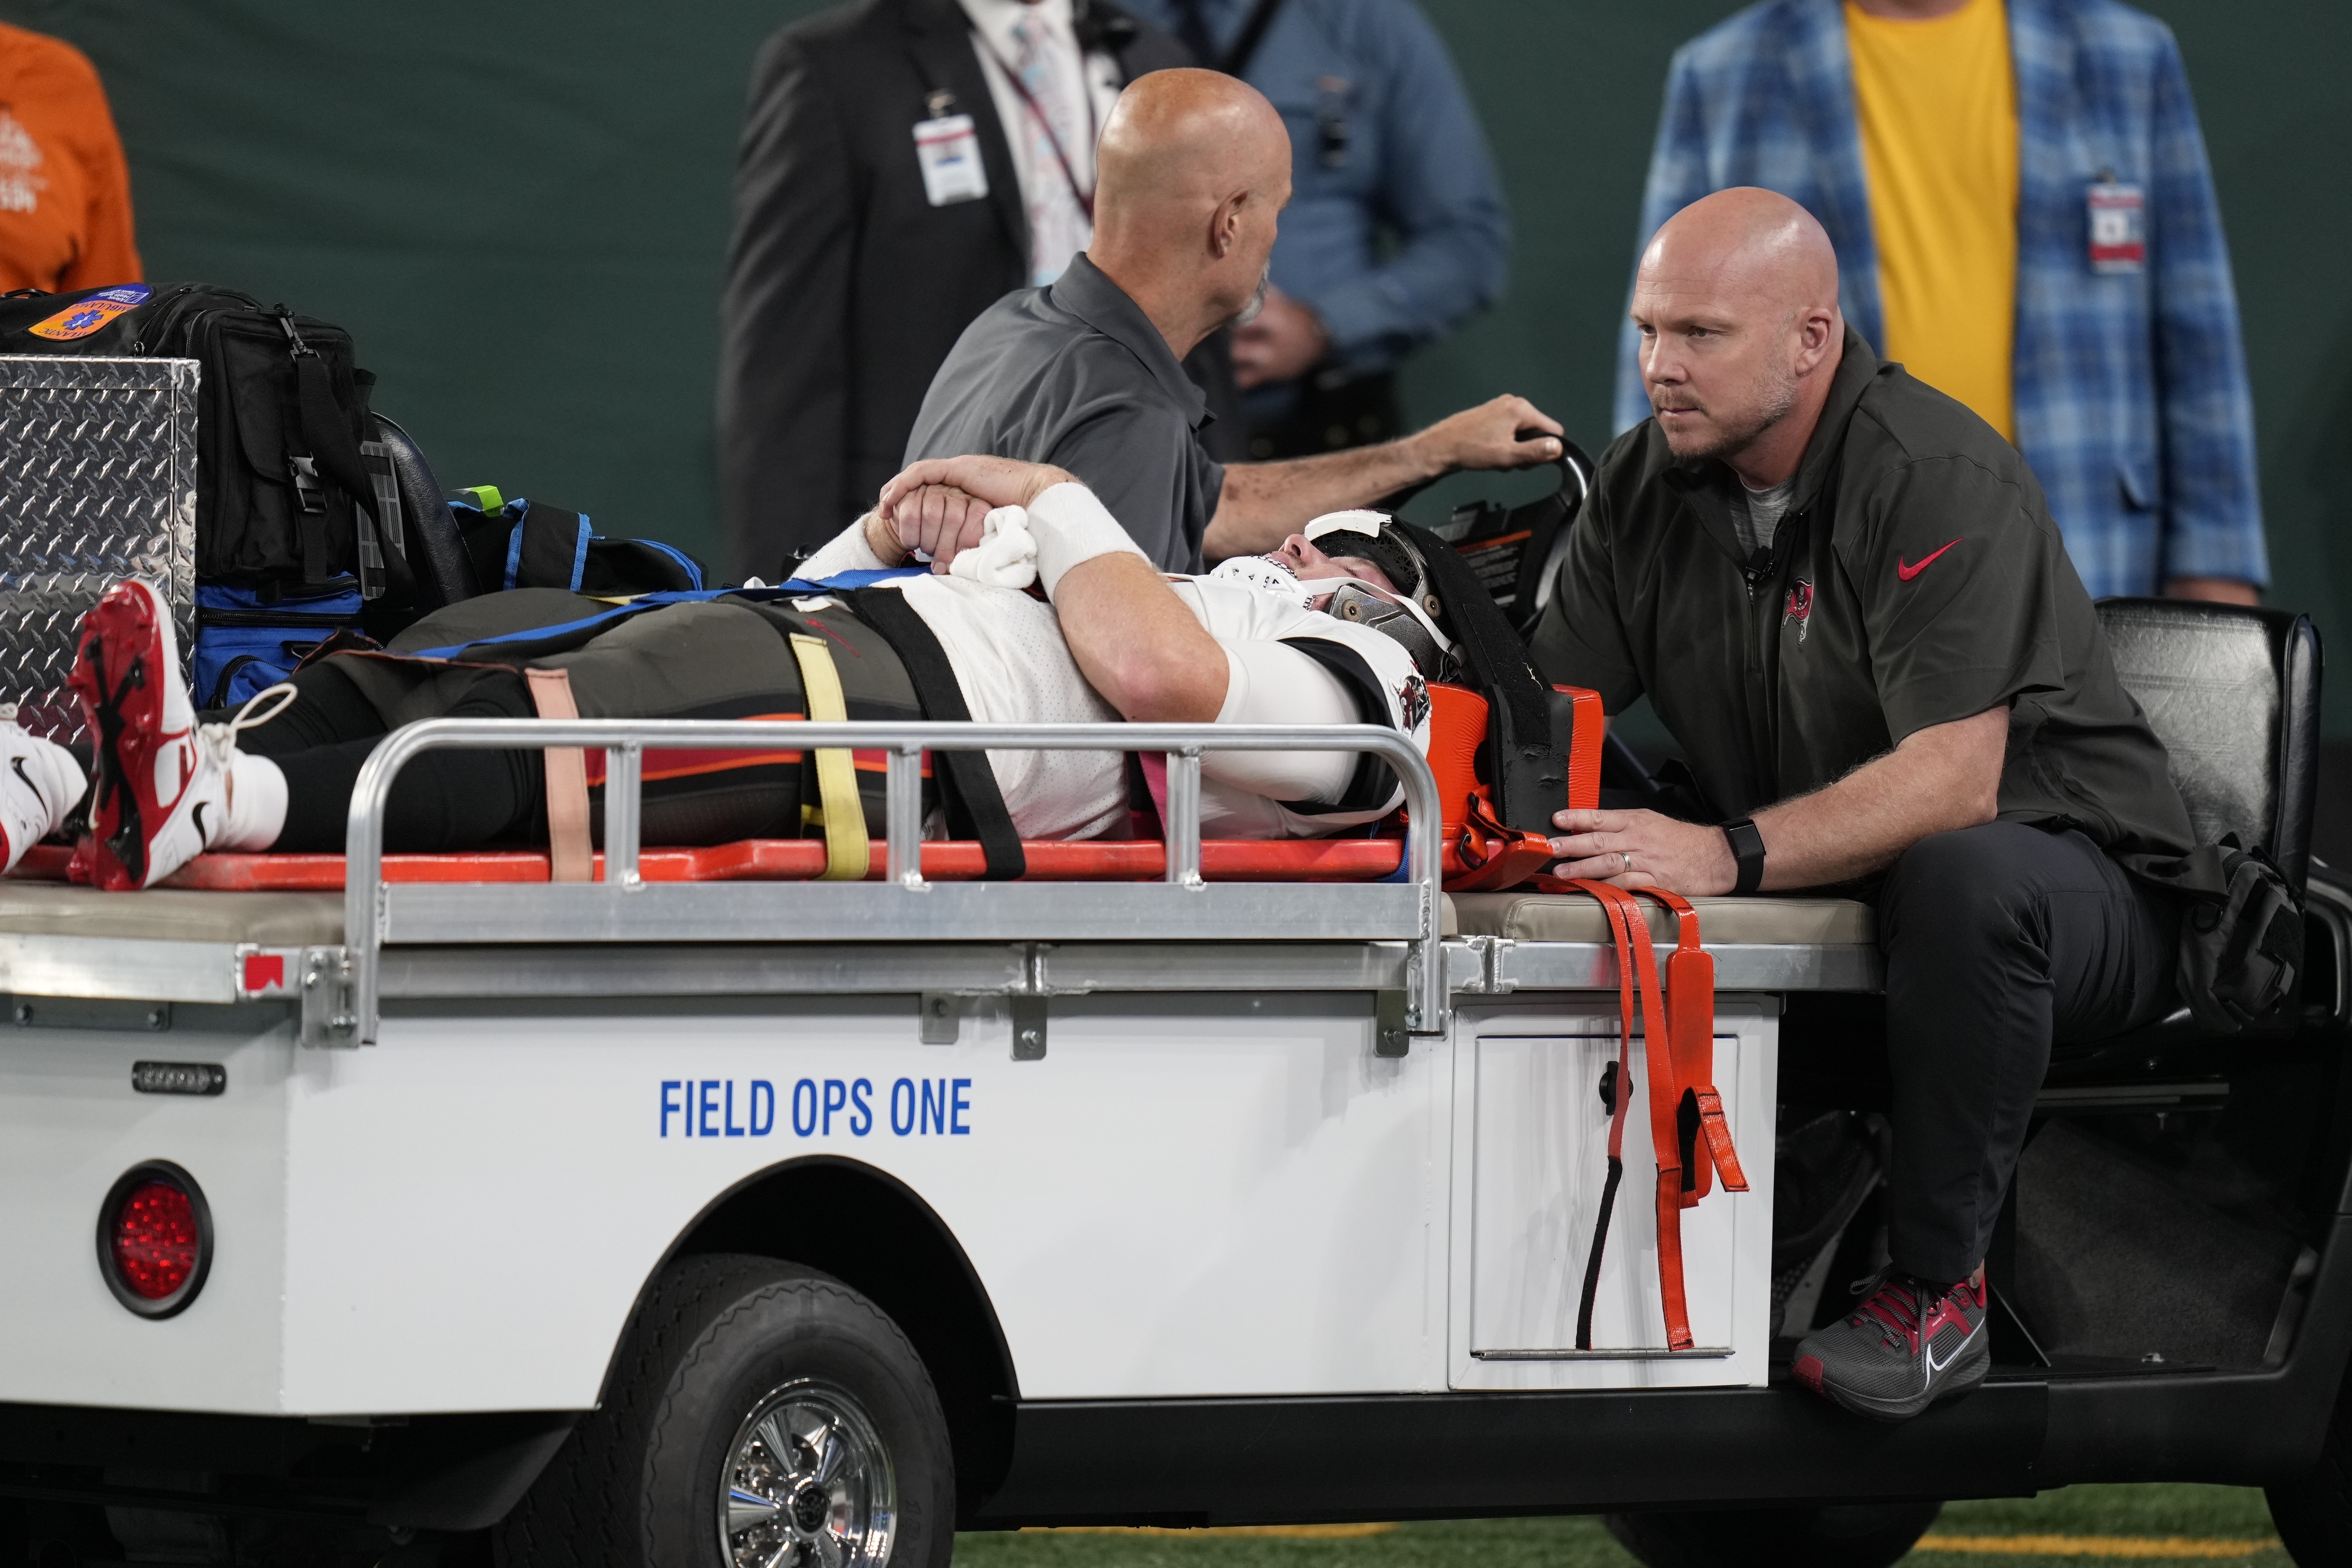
<point x="1845" y="1535"/>
<point x="761" y="1416"/>
<point x="2314" y="1515"/>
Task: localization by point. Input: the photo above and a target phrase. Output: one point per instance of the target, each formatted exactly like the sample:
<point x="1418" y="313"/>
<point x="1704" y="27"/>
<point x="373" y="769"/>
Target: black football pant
<point x="2000" y="941"/>
<point x="442" y="801"/>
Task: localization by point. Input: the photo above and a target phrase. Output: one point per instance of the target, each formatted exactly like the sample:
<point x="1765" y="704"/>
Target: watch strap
<point x="1747" y="848"/>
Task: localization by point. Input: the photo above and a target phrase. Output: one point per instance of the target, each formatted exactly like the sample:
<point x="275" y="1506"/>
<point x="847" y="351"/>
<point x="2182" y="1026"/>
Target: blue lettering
<point x="805" y="1125"/>
<point x="959" y="1106"/>
<point x="709" y="1101"/>
<point x="762" y="1093"/>
<point x="732" y="1131"/>
<point x="904" y="1090"/>
<point x="669" y="1102"/>
<point x="861" y="1121"/>
<point x="935" y="1105"/>
<point x="836" y="1095"/>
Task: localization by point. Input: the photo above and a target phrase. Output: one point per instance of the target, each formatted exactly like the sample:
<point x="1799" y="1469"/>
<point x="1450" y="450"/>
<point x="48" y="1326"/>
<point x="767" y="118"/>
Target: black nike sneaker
<point x="1907" y="1345"/>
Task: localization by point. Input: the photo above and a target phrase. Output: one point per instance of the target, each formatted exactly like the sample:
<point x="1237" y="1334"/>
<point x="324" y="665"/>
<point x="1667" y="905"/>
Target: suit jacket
<point x="2133" y="406"/>
<point x="845" y="288"/>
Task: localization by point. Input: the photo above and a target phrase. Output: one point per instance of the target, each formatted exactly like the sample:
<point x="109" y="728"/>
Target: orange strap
<point x="1635" y="952"/>
<point x="1678" y="1051"/>
<point x="1690" y="1002"/>
<point x="571" y="855"/>
<point x="1584" y="747"/>
<point x="1690" y="1010"/>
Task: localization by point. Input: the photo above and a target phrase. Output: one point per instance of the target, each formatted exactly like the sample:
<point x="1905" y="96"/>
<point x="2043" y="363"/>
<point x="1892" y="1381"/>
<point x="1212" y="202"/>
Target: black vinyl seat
<point x="2234" y="693"/>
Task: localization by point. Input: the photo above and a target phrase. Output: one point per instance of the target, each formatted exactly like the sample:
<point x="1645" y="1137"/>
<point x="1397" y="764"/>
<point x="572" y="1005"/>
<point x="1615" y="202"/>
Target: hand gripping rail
<point x="903" y="907"/>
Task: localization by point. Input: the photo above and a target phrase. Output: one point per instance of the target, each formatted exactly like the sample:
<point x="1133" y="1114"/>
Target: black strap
<point x="336" y="452"/>
<point x="1530" y="770"/>
<point x="1237" y="58"/>
<point x="968" y="786"/>
<point x="1374" y="781"/>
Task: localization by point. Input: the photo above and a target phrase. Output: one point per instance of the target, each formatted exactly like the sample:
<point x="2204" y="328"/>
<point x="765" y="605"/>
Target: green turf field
<point x="2068" y="1528"/>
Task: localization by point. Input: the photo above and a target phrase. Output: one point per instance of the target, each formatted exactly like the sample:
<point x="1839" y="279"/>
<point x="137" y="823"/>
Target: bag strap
<point x="571" y="853"/>
<point x="848" y="852"/>
<point x="335" y="450"/>
<point x="975" y="802"/>
<point x="1237" y="58"/>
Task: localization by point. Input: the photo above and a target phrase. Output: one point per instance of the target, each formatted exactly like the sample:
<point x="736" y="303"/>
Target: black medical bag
<point x="284" y="493"/>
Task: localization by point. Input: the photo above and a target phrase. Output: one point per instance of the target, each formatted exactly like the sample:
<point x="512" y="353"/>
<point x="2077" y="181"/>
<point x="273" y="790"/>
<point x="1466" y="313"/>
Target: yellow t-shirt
<point x="1935" y="102"/>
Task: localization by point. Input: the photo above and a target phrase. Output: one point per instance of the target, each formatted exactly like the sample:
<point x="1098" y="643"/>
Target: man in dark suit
<point x="848" y="279"/>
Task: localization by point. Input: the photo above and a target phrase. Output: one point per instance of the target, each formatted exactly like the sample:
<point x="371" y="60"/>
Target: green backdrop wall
<point x="520" y="209"/>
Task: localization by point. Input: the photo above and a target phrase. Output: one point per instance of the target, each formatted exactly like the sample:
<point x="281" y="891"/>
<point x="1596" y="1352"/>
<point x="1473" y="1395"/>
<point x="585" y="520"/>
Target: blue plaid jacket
<point x="2131" y="395"/>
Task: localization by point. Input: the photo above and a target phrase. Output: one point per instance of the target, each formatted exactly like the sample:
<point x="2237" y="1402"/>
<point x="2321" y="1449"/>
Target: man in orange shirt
<point x="65" y="191"/>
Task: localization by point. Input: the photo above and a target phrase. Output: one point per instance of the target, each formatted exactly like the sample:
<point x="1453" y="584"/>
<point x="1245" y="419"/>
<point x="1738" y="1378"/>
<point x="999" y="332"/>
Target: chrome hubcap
<point x="807" y="1484"/>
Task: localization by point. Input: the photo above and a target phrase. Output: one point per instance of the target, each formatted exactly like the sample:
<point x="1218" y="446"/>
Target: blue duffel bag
<point x="247" y="642"/>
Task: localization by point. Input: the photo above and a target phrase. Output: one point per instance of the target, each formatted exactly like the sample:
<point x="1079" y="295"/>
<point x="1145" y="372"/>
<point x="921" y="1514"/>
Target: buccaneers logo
<point x="1800" y="609"/>
<point x="1412" y="702"/>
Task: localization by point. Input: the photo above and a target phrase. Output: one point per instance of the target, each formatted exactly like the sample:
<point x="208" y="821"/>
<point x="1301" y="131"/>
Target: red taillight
<point x="155" y="1242"/>
<point x="154" y="1239"/>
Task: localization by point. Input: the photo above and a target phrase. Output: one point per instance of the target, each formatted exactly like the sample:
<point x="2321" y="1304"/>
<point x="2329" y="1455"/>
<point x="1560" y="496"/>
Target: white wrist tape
<point x="1071" y="526"/>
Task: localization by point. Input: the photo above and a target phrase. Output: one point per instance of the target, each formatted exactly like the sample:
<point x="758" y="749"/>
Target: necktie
<point x="1192" y="30"/>
<point x="1058" y="227"/>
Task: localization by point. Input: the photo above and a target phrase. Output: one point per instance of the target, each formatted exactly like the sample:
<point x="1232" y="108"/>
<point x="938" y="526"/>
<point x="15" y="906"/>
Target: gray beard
<point x="1257" y="301"/>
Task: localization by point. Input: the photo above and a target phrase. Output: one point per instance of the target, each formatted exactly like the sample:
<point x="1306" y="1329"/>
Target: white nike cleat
<point x="39" y="786"/>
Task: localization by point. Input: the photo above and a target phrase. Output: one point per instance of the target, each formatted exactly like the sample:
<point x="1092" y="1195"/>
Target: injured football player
<point x="1111" y="637"/>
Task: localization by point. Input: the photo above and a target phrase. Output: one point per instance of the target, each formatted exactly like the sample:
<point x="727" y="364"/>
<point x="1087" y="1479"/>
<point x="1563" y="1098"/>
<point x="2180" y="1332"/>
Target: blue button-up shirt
<point x="2133" y="406"/>
<point x="1381" y="135"/>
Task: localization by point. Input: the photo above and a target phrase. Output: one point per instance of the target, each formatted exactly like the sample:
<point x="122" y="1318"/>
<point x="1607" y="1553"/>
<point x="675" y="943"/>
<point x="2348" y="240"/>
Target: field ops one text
<point x="732" y="1107"/>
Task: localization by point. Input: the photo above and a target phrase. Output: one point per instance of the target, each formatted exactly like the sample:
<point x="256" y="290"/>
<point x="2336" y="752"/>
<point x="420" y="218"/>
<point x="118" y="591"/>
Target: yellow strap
<point x="847" y="852"/>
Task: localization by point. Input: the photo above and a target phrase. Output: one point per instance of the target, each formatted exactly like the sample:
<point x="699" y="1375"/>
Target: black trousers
<point x="2000" y="941"/>
<point x="443" y="801"/>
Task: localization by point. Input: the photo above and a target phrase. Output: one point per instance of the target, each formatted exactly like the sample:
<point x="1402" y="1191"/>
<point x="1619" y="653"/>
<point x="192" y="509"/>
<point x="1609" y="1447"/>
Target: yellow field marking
<point x="2175" y="1546"/>
<point x="1292" y="1532"/>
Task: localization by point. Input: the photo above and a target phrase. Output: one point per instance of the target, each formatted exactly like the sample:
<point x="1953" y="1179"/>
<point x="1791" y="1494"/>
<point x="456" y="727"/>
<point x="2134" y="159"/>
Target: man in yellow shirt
<point x="2023" y="216"/>
<point x="1936" y="104"/>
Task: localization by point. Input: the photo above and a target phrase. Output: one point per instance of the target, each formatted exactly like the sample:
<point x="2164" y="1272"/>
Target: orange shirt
<point x="65" y="191"/>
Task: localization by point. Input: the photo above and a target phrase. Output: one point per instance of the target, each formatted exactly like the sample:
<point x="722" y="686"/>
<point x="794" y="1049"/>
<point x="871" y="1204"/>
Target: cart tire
<point x="2314" y="1515"/>
<point x="1844" y="1535"/>
<point x="759" y="1412"/>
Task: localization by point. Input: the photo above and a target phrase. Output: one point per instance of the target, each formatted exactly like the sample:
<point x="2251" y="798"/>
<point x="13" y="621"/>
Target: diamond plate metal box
<point x="98" y="480"/>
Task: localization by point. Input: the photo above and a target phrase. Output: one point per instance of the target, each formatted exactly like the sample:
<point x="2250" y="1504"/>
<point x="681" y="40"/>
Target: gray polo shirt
<point x="1075" y="374"/>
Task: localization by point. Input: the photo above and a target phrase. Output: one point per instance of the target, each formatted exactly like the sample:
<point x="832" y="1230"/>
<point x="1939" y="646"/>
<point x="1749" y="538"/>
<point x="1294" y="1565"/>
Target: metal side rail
<point x="623" y="908"/>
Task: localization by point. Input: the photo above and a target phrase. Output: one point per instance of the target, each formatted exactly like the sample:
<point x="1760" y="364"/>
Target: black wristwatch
<point x="1747" y="848"/>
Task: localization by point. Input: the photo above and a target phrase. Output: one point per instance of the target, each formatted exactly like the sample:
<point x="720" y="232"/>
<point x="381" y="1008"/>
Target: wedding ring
<point x="1622" y="855"/>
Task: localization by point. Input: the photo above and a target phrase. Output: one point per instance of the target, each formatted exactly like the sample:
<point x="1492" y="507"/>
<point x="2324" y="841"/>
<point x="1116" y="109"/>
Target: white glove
<point x="1006" y="555"/>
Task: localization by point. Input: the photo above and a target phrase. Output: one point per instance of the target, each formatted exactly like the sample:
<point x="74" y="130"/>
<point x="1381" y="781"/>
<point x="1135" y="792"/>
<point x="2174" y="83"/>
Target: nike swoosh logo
<point x="204" y="838"/>
<point x="1906" y="571"/>
<point x="1934" y="1367"/>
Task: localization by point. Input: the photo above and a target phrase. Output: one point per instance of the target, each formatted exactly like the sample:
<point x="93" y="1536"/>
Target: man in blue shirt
<point x="1382" y="136"/>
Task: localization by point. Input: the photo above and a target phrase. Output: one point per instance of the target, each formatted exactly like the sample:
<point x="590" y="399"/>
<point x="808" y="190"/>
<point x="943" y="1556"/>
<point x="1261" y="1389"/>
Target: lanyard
<point x="1085" y="199"/>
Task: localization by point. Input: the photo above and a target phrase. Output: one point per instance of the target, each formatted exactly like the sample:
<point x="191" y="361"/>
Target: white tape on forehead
<point x="1357" y="521"/>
